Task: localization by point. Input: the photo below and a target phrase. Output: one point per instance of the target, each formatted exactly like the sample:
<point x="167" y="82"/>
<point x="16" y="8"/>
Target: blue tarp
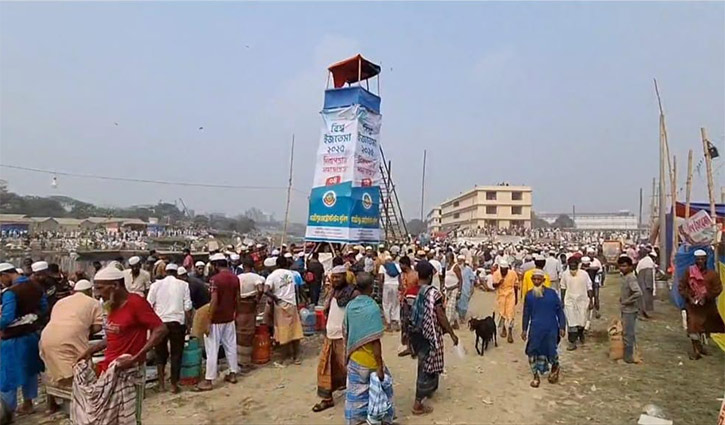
<point x="353" y="95"/>
<point x="684" y="258"/>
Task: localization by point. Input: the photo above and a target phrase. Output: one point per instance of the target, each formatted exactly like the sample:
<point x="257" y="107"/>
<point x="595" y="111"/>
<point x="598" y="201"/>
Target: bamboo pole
<point x="289" y="190"/>
<point x="662" y="189"/>
<point x="708" y="165"/>
<point x="688" y="188"/>
<point x="674" y="203"/>
<point x="422" y="186"/>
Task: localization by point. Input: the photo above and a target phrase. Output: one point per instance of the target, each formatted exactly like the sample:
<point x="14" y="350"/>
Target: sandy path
<point x="489" y="389"/>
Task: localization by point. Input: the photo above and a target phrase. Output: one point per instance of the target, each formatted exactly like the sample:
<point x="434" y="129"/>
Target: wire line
<point x="149" y="181"/>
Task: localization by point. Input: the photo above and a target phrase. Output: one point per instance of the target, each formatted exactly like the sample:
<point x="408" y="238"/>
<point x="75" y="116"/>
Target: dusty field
<point x="477" y="390"/>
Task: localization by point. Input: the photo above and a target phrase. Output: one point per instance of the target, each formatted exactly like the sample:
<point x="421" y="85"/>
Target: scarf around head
<point x="343" y="295"/>
<point x="363" y="323"/>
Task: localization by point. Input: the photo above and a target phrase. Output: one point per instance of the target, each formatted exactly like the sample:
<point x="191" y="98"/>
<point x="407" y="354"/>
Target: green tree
<point x="564" y="222"/>
<point x="416" y="227"/>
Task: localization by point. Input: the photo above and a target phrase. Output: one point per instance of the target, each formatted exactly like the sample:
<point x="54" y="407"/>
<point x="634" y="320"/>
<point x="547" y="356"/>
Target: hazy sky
<point x="558" y="96"/>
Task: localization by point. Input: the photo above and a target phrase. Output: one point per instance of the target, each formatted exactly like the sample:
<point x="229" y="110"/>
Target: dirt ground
<point x="477" y="390"/>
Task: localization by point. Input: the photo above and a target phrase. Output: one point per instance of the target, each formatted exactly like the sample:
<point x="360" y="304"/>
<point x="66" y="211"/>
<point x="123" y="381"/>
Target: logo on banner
<point x="366" y="183"/>
<point x="367" y="201"/>
<point x="329" y="198"/>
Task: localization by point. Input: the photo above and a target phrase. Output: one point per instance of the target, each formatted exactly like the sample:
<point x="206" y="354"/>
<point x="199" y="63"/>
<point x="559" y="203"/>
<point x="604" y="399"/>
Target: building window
<point x="455" y="204"/>
<point x="516" y="210"/>
<point x="492" y="223"/>
<point x="517" y="196"/>
<point x="491" y="209"/>
<point x="456" y="215"/>
<point x="490" y="196"/>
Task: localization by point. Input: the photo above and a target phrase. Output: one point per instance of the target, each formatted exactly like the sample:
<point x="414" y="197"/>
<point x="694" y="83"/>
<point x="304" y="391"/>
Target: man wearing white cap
<point x="137" y="280"/>
<point x="553" y="269"/>
<point x="506" y="282"/>
<point x="700" y="288"/>
<point x="280" y="288"/>
<point x="198" y="291"/>
<point x="65" y="338"/>
<point x="646" y="280"/>
<point x="129" y="321"/>
<point x="23" y="305"/>
<point x="8" y="274"/>
<point x="198" y="270"/>
<point x="171" y="300"/>
<point x="224" y="289"/>
<point x="576" y="291"/>
<point x="389" y="278"/>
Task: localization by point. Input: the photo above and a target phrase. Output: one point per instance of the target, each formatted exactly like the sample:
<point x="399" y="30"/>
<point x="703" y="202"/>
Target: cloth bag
<point x="380" y="402"/>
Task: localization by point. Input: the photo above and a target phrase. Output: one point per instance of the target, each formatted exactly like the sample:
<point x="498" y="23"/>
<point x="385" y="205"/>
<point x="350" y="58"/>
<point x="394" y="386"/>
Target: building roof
<point x="133" y="221"/>
<point x="69" y="221"/>
<point x="41" y="219"/>
<point x="15" y="218"/>
<point x="491" y="188"/>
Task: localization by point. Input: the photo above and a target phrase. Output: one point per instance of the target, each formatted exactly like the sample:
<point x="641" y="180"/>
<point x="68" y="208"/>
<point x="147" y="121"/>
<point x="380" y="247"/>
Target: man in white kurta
<point x="576" y="289"/>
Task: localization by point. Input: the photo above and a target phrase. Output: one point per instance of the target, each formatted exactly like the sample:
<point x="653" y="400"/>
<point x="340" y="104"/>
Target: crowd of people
<point x="140" y="305"/>
<point x="100" y="239"/>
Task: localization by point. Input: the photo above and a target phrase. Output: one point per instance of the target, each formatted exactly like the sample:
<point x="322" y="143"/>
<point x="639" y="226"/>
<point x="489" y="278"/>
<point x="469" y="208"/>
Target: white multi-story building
<point x="621" y="220"/>
<point x="433" y="220"/>
<point x="500" y="206"/>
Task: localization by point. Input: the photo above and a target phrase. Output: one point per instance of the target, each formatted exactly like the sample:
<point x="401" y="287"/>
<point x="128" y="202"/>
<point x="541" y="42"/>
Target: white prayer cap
<point x="259" y="245"/>
<point x="698" y="253"/>
<point x="653" y="254"/>
<point x="420" y="252"/>
<point x="82" y="285"/>
<point x="284" y="245"/>
<point x="181" y="271"/>
<point x="234" y="257"/>
<point x="39" y="266"/>
<point x="218" y="257"/>
<point x="368" y="248"/>
<point x="338" y="270"/>
<point x="590" y="249"/>
<point x="538" y="257"/>
<point x="171" y="266"/>
<point x="270" y="261"/>
<point x="382" y="245"/>
<point x="300" y="254"/>
<point x="538" y="272"/>
<point x="134" y="260"/>
<point x="199" y="264"/>
<point x="287" y="255"/>
<point x="108" y="273"/>
<point x="461" y="257"/>
<point x="275" y="253"/>
<point x="503" y="264"/>
<point x="6" y="267"/>
<point x="20" y="271"/>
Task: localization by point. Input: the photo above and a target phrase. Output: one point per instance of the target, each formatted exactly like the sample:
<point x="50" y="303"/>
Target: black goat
<point x="485" y="330"/>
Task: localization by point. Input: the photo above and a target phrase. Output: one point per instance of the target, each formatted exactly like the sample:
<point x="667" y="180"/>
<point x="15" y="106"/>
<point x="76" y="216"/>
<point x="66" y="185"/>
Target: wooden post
<point x="662" y="190"/>
<point x="652" y="211"/>
<point x="688" y="188"/>
<point x="639" y="220"/>
<point x="359" y="71"/>
<point x="289" y="190"/>
<point x="422" y="186"/>
<point x="708" y="165"/>
<point x="674" y="203"/>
